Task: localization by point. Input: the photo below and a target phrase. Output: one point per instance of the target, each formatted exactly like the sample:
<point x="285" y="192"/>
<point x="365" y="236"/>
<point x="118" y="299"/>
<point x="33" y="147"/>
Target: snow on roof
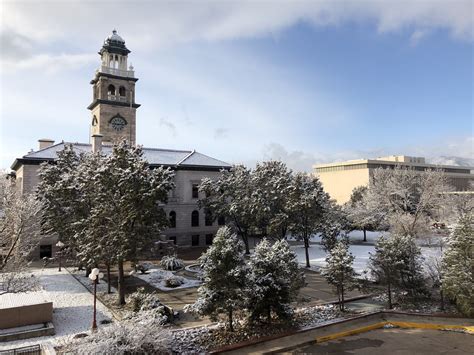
<point x="154" y="156"/>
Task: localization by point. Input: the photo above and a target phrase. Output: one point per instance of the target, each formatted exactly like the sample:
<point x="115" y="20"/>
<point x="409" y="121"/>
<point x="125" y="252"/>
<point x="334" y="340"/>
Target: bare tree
<point x="406" y="199"/>
<point x="19" y="234"/>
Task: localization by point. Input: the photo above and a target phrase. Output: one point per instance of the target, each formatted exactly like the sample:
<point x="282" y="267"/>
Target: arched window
<point x="195" y="219"/>
<point x="172" y="219"/>
<point x="111" y="90"/>
<point x="122" y="91"/>
<point x="94" y="121"/>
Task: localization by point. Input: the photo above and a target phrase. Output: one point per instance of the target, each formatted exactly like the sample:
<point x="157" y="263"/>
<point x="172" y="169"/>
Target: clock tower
<point x="113" y="104"/>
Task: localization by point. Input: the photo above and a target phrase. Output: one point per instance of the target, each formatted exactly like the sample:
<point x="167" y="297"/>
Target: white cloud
<point x="151" y="24"/>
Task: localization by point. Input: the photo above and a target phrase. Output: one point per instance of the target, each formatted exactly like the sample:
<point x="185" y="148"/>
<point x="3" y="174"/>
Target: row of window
<point x="195" y="239"/>
<point x="111" y="90"/>
<point x="208" y="219"/>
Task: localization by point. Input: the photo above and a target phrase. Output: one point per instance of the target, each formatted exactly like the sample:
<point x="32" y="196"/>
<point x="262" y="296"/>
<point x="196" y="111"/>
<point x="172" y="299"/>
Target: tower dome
<point x="114" y="43"/>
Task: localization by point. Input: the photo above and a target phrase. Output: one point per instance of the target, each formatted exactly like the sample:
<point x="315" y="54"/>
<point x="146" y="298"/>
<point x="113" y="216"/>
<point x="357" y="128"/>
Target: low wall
<point x="340" y="328"/>
<point x="26" y="315"/>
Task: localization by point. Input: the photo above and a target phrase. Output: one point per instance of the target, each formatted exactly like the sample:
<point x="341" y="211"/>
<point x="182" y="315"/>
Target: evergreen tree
<point x="339" y="271"/>
<point x="274" y="280"/>
<point x="231" y="197"/>
<point x="224" y="275"/>
<point x="333" y="226"/>
<point x="458" y="266"/>
<point x="306" y="205"/>
<point x="397" y="263"/>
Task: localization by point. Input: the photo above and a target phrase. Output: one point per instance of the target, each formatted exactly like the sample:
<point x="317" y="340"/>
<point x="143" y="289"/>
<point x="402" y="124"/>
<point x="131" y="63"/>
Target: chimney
<point x="45" y="143"/>
<point x="96" y="143"/>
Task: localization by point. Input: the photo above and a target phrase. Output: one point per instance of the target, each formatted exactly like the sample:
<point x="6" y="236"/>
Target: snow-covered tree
<point x="397" y="263"/>
<point x="339" y="272"/>
<point x="333" y="226"/>
<point x="19" y="234"/>
<point x="130" y="203"/>
<point x="272" y="184"/>
<point x="109" y="208"/>
<point x="231" y="197"/>
<point x="406" y="199"/>
<point x="274" y="280"/>
<point x="358" y="212"/>
<point x="59" y="194"/>
<point x="458" y="266"/>
<point x="224" y="276"/>
<point x="306" y="207"/>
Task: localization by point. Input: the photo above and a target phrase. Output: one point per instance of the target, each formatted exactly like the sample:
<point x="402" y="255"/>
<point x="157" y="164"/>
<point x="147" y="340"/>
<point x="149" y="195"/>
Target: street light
<point x="60" y="245"/>
<point x="95" y="275"/>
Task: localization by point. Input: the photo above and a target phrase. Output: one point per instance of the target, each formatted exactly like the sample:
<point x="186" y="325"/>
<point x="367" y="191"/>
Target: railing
<point x="25" y="350"/>
<point x="117" y="98"/>
<point x="118" y="72"/>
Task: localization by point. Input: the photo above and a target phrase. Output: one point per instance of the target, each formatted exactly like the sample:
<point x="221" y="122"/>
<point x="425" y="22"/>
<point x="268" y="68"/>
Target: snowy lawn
<point x="317" y="255"/>
<point x="157" y="278"/>
<point x="72" y="307"/>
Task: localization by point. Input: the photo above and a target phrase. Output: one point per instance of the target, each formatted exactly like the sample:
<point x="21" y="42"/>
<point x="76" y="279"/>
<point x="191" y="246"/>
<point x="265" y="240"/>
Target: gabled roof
<point x="189" y="159"/>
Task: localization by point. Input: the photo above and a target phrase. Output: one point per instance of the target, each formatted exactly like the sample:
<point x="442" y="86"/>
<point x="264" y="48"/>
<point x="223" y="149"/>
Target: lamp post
<point x="95" y="275"/>
<point x="60" y="245"/>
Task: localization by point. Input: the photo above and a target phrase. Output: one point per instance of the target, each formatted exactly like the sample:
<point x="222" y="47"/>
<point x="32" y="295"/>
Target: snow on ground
<point x="317" y="256"/>
<point x="72" y="307"/>
<point x="157" y="277"/>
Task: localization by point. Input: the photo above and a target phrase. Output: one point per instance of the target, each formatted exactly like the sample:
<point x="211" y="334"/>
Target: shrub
<point x="147" y="303"/>
<point x="171" y="262"/>
<point x="143" y="267"/>
<point x="174" y="281"/>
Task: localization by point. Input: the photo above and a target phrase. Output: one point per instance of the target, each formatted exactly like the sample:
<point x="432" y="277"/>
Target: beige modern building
<point x="113" y="118"/>
<point x="339" y="179"/>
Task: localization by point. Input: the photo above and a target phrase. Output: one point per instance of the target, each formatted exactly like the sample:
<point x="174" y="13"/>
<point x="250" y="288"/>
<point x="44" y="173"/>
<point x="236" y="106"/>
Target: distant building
<point x="113" y="118"/>
<point x="339" y="179"/>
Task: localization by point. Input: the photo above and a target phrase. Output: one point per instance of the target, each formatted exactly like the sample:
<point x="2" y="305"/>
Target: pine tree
<point x="339" y="271"/>
<point x="397" y="263"/>
<point x="274" y="280"/>
<point x="306" y="205"/>
<point x="224" y="275"/>
<point x="231" y="197"/>
<point x="458" y="266"/>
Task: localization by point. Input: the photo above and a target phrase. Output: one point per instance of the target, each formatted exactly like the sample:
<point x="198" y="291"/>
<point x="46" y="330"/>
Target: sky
<point x="244" y="81"/>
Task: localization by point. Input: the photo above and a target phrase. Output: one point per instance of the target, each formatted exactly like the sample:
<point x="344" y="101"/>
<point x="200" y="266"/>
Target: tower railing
<point x="118" y="72"/>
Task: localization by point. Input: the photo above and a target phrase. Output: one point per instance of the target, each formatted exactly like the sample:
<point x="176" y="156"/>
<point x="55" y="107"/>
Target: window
<point x="46" y="251"/>
<point x="221" y="220"/>
<point x="208" y="218"/>
<point x="172" y="219"/>
<point x="122" y="91"/>
<point x="195" y="191"/>
<point x="195" y="240"/>
<point x="195" y="219"/>
<point x="173" y="239"/>
<point x="111" y="90"/>
<point x="209" y="238"/>
<point x="94" y="121"/>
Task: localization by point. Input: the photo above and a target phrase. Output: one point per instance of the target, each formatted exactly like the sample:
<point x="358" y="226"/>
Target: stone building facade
<point x="114" y="118"/>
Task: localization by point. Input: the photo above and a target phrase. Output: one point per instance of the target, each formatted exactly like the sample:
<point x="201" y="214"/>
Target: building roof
<point x="385" y="161"/>
<point x="186" y="159"/>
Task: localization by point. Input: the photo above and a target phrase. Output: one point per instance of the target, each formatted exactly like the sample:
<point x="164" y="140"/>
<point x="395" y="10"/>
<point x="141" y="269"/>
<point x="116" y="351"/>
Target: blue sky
<point x="307" y="82"/>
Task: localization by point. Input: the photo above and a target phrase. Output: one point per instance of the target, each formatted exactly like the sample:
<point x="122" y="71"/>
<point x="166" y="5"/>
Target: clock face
<point x="118" y="123"/>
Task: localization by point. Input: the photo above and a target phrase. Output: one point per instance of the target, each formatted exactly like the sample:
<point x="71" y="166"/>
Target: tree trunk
<point x="88" y="271"/>
<point x="245" y="238"/>
<point x="365" y="234"/>
<point x="109" y="287"/>
<point x="342" y="298"/>
<point x="231" y="326"/>
<point x="389" y="289"/>
<point x="121" y="286"/>
<point x="269" y="314"/>
<point x="306" y="247"/>
<point x="441" y="295"/>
